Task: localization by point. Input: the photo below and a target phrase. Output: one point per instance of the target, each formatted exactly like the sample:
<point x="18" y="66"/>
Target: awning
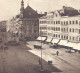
<point x="63" y="42"/>
<point x="54" y="41"/>
<point x="41" y="38"/>
<point x="70" y="44"/>
<point x="49" y="40"/>
<point x="77" y="47"/>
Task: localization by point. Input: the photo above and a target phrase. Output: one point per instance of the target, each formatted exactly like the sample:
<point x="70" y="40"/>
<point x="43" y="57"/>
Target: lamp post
<point x="41" y="53"/>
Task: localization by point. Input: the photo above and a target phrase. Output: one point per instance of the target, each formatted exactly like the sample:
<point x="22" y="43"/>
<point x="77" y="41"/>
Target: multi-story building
<point x="3" y="25"/>
<point x="61" y="24"/>
<point x="13" y="30"/>
<point x="30" y="22"/>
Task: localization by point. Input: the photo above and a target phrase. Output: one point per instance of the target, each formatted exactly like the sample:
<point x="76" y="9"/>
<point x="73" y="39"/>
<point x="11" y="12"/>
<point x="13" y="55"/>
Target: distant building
<point x="29" y="22"/>
<point x="13" y="30"/>
<point x="3" y="25"/>
<point x="61" y="24"/>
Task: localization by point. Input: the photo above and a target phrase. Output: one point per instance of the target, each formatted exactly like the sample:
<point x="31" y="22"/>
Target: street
<point x="17" y="59"/>
<point x="66" y="62"/>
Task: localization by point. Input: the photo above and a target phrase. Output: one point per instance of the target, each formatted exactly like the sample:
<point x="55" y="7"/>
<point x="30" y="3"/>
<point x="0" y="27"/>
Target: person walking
<point x="39" y="61"/>
<point x="57" y="53"/>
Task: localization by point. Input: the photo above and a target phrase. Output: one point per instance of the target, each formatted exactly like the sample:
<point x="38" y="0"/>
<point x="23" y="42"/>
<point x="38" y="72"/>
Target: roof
<point x="68" y="8"/>
<point x="29" y="13"/>
<point x="69" y="11"/>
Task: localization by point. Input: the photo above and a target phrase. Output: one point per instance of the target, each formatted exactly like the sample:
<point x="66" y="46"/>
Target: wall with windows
<point x="60" y="27"/>
<point x="50" y="26"/>
<point x="70" y="28"/>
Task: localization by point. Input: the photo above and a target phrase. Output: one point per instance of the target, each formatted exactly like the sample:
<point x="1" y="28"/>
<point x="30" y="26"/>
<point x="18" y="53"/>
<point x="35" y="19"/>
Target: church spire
<point x="22" y="9"/>
<point x="22" y="5"/>
<point x="28" y="3"/>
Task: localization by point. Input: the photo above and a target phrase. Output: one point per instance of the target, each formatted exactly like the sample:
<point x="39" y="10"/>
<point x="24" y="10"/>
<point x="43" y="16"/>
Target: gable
<point x="29" y="13"/>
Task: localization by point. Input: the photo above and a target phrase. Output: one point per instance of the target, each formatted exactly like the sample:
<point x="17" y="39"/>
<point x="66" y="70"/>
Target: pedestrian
<point x="39" y="61"/>
<point x="57" y="53"/>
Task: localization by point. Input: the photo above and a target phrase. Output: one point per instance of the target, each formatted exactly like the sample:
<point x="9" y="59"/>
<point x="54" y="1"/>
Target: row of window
<point x="60" y="36"/>
<point x="68" y="30"/>
<point x="70" y="22"/>
<point x="50" y="16"/>
<point x="54" y="28"/>
<point x="49" y="22"/>
<point x="73" y="30"/>
<point x="60" y="22"/>
<point x="50" y="28"/>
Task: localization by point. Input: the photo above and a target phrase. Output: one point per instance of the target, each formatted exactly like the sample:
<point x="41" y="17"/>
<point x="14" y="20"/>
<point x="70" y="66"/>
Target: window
<point x="76" y="22"/>
<point x="58" y="22"/>
<point x="73" y="22"/>
<point x="73" y="30"/>
<point x="51" y="22"/>
<point x="64" y="29"/>
<point x="48" y="28"/>
<point x="61" y="22"/>
<point x="70" y="37"/>
<point x="70" y="29"/>
<point x="58" y="29"/>
<point x="70" y="22"/>
<point x="79" y="39"/>
<point x="66" y="22"/>
<point x="66" y="37"/>
<point x="62" y="36"/>
<point x="54" y="22"/>
<point x="79" y="22"/>
<point x="79" y="31"/>
<point x="67" y="29"/>
<point x="73" y="38"/>
<point x="59" y="36"/>
<point x="54" y="29"/>
<point x="54" y="35"/>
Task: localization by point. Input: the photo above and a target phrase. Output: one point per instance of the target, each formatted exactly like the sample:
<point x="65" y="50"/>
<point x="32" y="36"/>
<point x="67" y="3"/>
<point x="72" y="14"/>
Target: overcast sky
<point x="9" y="8"/>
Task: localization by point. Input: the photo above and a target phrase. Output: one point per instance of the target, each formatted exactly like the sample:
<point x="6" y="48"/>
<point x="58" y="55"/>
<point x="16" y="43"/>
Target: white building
<point x="61" y="24"/>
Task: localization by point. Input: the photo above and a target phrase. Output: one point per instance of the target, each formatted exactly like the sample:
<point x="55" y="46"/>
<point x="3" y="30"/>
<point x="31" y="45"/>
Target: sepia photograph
<point x="39" y="36"/>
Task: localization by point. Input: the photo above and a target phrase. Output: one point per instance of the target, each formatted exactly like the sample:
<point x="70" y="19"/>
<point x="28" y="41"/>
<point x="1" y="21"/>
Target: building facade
<point x="3" y="25"/>
<point x="29" y="22"/>
<point x="13" y="30"/>
<point x="61" y="24"/>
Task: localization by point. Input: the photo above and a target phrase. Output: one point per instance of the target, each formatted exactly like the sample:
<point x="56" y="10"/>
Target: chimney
<point x="45" y="13"/>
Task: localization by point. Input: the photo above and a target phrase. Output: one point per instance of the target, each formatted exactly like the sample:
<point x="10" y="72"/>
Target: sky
<point x="10" y="8"/>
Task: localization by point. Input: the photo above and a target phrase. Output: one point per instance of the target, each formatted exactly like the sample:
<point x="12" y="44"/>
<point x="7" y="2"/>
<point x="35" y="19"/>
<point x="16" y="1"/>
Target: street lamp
<point x="41" y="53"/>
